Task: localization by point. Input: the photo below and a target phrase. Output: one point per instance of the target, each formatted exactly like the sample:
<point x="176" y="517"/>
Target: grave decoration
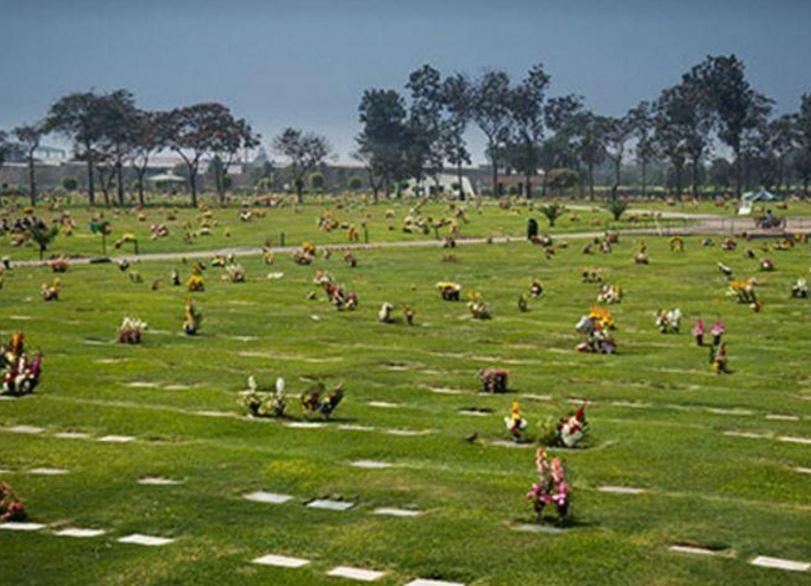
<point x="234" y="272"/>
<point x="718" y="358"/>
<point x="384" y="316"/>
<point x="744" y="291"/>
<point x="267" y="256"/>
<point x="729" y="244"/>
<point x="641" y="256"/>
<point x="800" y="289"/>
<point x="12" y="508"/>
<point x="523" y="303"/>
<point x="494" y="380"/>
<point x="536" y="288"/>
<point x="306" y="254"/>
<point x="698" y="332"/>
<point x="668" y="321"/>
<point x="767" y="265"/>
<point x="609" y="293"/>
<point x="551" y="487"/>
<point x="131" y="331"/>
<point x="319" y="401"/>
<point x="51" y="292"/>
<point x="265" y="402"/>
<point x="20" y="371"/>
<point x="159" y="231"/>
<point x="192" y="318"/>
<point x="175" y="278"/>
<point x="515" y="422"/>
<point x="59" y="264"/>
<point x="595" y="328"/>
<point x="409" y="313"/>
<point x="717" y="331"/>
<point x="449" y="290"/>
<point x="568" y="431"/>
<point x="677" y="244"/>
<point x="478" y="308"/>
<point x="591" y="275"/>
<point x="196" y="284"/>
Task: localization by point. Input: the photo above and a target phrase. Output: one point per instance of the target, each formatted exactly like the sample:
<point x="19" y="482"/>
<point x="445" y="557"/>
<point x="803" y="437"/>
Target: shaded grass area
<point x="658" y="420"/>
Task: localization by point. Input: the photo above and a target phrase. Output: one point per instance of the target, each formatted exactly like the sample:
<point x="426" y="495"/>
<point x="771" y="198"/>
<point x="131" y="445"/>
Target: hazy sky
<point x="305" y="63"/>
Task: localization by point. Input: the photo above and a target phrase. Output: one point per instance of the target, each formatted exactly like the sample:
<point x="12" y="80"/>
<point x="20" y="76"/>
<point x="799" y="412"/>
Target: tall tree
<point x="782" y="138"/>
<point x="304" y="152"/>
<point x="737" y="107"/>
<point x="526" y="107"/>
<point x="149" y="136"/>
<point x="117" y="118"/>
<point x="29" y="136"/>
<point x="382" y="138"/>
<point x="618" y="131"/>
<point x="234" y="138"/>
<point x="491" y="98"/>
<point x="193" y="132"/>
<point x="424" y="154"/>
<point x="671" y="133"/>
<point x="558" y="150"/>
<point x="457" y="97"/>
<point x="803" y="138"/>
<point x="76" y="117"/>
<point x="589" y="132"/>
<point x="641" y="120"/>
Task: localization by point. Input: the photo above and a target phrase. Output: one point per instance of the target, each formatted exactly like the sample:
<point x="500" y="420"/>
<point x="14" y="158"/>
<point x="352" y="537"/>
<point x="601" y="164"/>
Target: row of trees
<point x="527" y="131"/>
<point x="108" y="132"/>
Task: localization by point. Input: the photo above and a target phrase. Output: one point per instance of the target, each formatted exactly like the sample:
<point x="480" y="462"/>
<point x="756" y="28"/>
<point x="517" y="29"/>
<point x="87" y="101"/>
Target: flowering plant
<point x="131" y="331"/>
<point x="551" y="487"/>
<point x="192" y="318"/>
<point x="317" y="400"/>
<point x="20" y="372"/>
<point x="515" y="423"/>
<point x="494" y="380"/>
<point x="51" y="292"/>
<point x="450" y="290"/>
<point x="11" y="507"/>
<point x="668" y="321"/>
<point x="263" y="403"/>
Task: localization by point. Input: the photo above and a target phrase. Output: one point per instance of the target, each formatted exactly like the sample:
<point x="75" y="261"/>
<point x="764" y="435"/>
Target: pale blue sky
<point x="306" y="63"/>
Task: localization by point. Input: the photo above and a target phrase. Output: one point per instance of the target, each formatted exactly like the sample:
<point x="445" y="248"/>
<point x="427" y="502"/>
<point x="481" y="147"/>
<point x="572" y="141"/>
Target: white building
<point x="442" y="184"/>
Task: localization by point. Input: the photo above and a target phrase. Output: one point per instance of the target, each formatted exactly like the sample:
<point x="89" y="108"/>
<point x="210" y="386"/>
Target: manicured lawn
<point x="658" y="417"/>
<point x="384" y="222"/>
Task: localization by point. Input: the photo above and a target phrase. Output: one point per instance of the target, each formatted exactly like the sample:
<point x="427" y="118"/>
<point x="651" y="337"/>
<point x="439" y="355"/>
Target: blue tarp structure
<point x="760" y="195"/>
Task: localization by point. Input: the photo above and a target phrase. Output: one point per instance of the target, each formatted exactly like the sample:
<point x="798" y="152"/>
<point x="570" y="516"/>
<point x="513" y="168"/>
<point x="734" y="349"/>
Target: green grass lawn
<point x="295" y="224"/>
<point x="658" y="418"/>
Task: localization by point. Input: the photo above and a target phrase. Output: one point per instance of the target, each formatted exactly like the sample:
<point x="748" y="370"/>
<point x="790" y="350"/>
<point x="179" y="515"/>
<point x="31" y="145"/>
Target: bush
<point x="617" y="207"/>
<point x="354" y="183"/>
<point x="552" y="212"/>
<point x="70" y="184"/>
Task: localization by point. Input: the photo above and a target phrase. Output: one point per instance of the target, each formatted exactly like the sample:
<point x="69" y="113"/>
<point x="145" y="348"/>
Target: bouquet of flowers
<point x="551" y="487"/>
<point x="263" y="403"/>
<point x="596" y="328"/>
<point x="494" y="380"/>
<point x="668" y="322"/>
<point x="60" y="264"/>
<point x="131" y="331"/>
<point x="350" y="259"/>
<point x="192" y="318"/>
<point x="767" y="265"/>
<point x="698" y="332"/>
<point x="729" y="244"/>
<point x="20" y="372"/>
<point x="384" y="315"/>
<point x="449" y="290"/>
<point x="800" y="289"/>
<point x="573" y="427"/>
<point x="718" y="358"/>
<point x="609" y="294"/>
<point x="478" y="308"/>
<point x="744" y="291"/>
<point x="317" y="400"/>
<point x="717" y="331"/>
<point x="536" y="288"/>
<point x="11" y="507"/>
<point x="159" y="231"/>
<point x="234" y="273"/>
<point x="51" y="292"/>
<point x="515" y="423"/>
<point x="641" y="257"/>
<point x="195" y="284"/>
<point x="302" y="258"/>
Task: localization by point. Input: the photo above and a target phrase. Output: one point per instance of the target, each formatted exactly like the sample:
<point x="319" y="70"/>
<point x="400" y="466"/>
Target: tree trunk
<point x="141" y="187"/>
<point x="494" y="173"/>
<point x="119" y="172"/>
<point x="695" y="178"/>
<point x="32" y="184"/>
<point x="528" y="185"/>
<point x="616" y="185"/>
<point x="459" y="181"/>
<point x="299" y="190"/>
<point x="193" y="186"/>
<point x="644" y="177"/>
<point x="738" y="171"/>
<point x="591" y="181"/>
<point x="91" y="186"/>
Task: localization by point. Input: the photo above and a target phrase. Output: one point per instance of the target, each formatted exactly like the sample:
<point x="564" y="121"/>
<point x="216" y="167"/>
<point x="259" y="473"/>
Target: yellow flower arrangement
<point x="196" y="283"/>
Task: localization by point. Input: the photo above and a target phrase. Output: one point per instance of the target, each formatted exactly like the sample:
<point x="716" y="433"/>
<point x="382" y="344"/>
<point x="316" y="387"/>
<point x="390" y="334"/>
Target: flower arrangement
<point x="800" y="289"/>
<point x="195" y="284"/>
<point x="729" y="244"/>
<point x="267" y="256"/>
<point x="409" y="313"/>
<point x="384" y="316"/>
<point x="609" y="294"/>
<point x="59" y="264"/>
<point x="717" y="331"/>
<point x="744" y="291"/>
<point x="301" y="257"/>
<point x="263" y="403"/>
<point x="595" y="328"/>
<point x="11" y="507"/>
<point x="677" y="244"/>
<point x="234" y="272"/>
<point x="175" y="278"/>
<point x="591" y="275"/>
<point x="767" y="265"/>
<point x="536" y="288"/>
<point x="317" y="401"/>
<point x="494" y="380"/>
<point x="515" y="422"/>
<point x="350" y="259"/>
<point x="551" y="487"/>
<point x="698" y="332"/>
<point x="573" y="427"/>
<point x="308" y="248"/>
<point x="192" y="318"/>
<point x="159" y="231"/>
<point x="449" y="290"/>
<point x="668" y="321"/>
<point x="718" y="359"/>
<point x="20" y="372"/>
<point x="51" y="292"/>
<point x="478" y="308"/>
<point x="641" y="256"/>
<point x="131" y="331"/>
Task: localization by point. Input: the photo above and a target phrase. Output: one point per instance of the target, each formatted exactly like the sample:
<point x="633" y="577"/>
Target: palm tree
<point x="43" y="237"/>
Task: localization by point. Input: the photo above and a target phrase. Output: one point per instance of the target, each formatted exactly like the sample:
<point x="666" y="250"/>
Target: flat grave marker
<point x="280" y="561"/>
<point x="271" y="498"/>
<point x="358" y="574"/>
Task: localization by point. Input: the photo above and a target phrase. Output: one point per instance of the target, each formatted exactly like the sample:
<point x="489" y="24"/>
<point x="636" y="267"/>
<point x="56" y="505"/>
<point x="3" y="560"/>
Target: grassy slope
<point x="703" y="486"/>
